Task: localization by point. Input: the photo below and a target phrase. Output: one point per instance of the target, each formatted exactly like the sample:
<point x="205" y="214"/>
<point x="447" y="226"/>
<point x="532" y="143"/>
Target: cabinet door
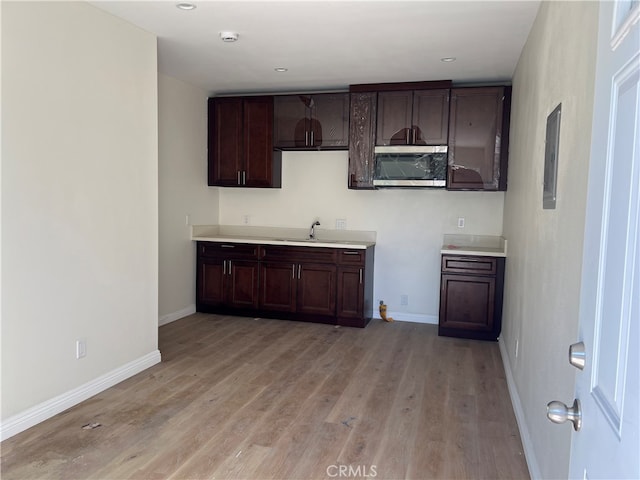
<point x="317" y="289"/>
<point x="394" y="118"/>
<point x="467" y="302"/>
<point x="242" y="279"/>
<point x="291" y="121"/>
<point x="225" y="156"/>
<point x="430" y="117"/>
<point x="475" y="138"/>
<point x="211" y="281"/>
<point x="362" y="121"/>
<point x="278" y="282"/>
<point x="258" y="142"/>
<point x="329" y="121"/>
<point x="350" y="299"/>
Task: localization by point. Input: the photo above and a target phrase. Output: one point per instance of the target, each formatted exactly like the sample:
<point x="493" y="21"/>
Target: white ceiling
<point x="328" y="45"/>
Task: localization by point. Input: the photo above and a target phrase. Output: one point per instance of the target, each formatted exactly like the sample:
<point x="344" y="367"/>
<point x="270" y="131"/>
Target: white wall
<point x="409" y="223"/>
<point x="79" y="198"/>
<point x="182" y="172"/>
<point x="543" y="270"/>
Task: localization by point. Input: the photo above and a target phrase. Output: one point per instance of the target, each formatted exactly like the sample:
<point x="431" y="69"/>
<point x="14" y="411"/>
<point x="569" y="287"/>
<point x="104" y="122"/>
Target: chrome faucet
<point x="312" y="232"/>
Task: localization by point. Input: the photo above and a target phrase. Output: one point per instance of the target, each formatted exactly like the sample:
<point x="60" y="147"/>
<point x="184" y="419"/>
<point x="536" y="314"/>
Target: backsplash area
<point x="409" y="223"/>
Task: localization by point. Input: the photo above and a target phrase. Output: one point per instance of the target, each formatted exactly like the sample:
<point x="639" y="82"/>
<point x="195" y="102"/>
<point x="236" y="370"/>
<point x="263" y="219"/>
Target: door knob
<point x="577" y="355"/>
<point x="558" y="412"/>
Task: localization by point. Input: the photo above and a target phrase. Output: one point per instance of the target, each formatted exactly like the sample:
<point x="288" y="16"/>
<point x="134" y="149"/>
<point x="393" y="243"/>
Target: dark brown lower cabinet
<point x="471" y="292"/>
<point x="350" y="292"/>
<point x="242" y="287"/>
<point x="298" y="282"/>
<point x="211" y="280"/>
<point x="355" y="287"/>
<point x="318" y="284"/>
<point x="278" y="286"/>
<point x="298" y="288"/>
<point x="227" y="278"/>
<point x="317" y="289"/>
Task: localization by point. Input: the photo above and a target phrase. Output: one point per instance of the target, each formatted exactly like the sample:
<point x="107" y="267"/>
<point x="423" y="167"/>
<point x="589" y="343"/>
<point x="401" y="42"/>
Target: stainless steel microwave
<point x="410" y="166"/>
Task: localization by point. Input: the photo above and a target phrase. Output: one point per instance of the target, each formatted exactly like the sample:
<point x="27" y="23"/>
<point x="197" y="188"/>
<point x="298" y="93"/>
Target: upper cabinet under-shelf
<point x="311" y="121"/>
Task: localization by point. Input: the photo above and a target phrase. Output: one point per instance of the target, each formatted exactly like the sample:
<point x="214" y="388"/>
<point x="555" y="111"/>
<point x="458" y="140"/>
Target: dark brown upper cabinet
<point x="479" y="138"/>
<point x="241" y="143"/>
<point x="413" y="117"/>
<point x="362" y="132"/>
<point x="311" y="121"/>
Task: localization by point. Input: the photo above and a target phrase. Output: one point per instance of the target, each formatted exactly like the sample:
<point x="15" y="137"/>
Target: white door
<point x="607" y="445"/>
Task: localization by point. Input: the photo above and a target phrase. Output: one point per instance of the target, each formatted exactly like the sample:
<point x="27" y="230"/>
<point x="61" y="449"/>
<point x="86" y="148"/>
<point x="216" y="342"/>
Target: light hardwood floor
<point x="244" y="398"/>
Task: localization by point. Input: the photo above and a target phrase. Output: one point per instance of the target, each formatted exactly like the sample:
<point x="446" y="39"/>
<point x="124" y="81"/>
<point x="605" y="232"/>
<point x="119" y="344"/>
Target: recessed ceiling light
<point x="280" y="69"/>
<point x="229" y="37"/>
<point x="448" y="59"/>
<point x="186" y="6"/>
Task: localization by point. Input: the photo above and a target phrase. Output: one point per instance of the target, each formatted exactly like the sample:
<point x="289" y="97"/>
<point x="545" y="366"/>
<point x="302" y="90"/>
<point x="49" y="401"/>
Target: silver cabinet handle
<point x="306" y="138"/>
<point x="360" y="276"/>
<point x="293" y="270"/>
<point x="227" y="246"/>
<point x="347" y="252"/>
<point x="299" y="268"/>
<point x="312" y="140"/>
<point x="244" y="177"/>
<point x="238" y="181"/>
<point x="224" y="267"/>
<point x="229" y="267"/>
<point x="577" y="355"/>
<point x="558" y="412"/>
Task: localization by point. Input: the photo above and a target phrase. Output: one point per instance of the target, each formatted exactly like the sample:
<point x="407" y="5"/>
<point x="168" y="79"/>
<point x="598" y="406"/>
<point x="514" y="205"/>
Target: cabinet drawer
<point x="468" y="264"/>
<point x="228" y="250"/>
<point x="298" y="254"/>
<point x="351" y="257"/>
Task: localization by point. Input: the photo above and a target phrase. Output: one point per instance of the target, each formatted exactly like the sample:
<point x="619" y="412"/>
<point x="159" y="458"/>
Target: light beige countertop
<point x="478" y="245"/>
<point x="283" y="236"/>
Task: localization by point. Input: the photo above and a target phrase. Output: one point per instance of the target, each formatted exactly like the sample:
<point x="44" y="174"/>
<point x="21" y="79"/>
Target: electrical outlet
<point x="517" y="347"/>
<point x="187" y="219"/>
<point x="460" y="222"/>
<point x="81" y="348"/>
<point x="341" y="224"/>
<point x="404" y="299"/>
<point x="245" y="219"/>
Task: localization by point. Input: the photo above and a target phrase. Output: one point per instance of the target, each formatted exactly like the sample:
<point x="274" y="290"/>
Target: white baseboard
<point x="172" y="317"/>
<point x="529" y="453"/>
<point x="48" y="409"/>
<point x="412" y="317"/>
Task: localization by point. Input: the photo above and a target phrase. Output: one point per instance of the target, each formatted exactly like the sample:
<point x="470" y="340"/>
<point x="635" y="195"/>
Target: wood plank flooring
<point x="244" y="398"/>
